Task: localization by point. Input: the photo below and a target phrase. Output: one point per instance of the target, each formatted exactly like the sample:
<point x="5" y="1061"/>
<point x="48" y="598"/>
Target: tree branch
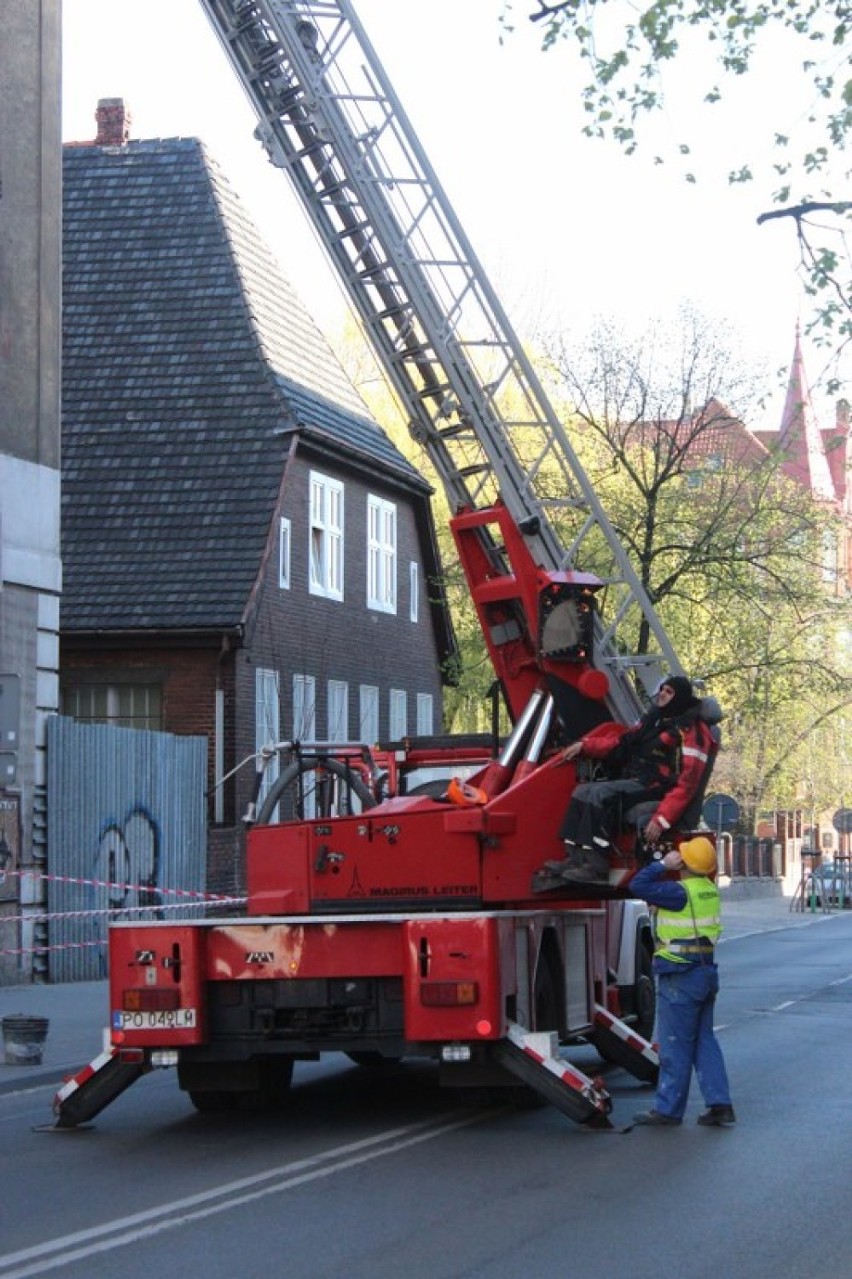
<point x="799" y="211"/>
<point x="546" y="10"/>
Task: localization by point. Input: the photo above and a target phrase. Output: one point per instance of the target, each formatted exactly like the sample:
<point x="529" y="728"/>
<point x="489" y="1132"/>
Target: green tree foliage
<point x="741" y="564"/>
<point x="628" y="49"/>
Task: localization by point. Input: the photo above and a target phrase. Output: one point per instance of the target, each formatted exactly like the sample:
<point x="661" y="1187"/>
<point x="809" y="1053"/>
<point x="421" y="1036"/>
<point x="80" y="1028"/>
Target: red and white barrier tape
<point x="105" y="883"/>
<point x="119" y="910"/>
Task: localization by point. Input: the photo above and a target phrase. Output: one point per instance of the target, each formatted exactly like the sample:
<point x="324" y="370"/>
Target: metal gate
<point x="126" y="836"/>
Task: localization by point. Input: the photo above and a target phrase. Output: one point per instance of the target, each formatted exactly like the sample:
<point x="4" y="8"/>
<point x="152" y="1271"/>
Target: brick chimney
<point x="114" y="120"/>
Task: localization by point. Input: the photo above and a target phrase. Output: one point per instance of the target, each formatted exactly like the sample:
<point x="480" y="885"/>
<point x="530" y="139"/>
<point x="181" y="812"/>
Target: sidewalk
<point x="78" y="1012"/>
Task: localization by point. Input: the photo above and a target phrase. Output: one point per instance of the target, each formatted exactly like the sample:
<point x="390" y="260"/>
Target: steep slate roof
<point x="185" y="354"/>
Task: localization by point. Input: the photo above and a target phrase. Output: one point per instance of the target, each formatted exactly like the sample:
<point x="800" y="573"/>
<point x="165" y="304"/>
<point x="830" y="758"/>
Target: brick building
<point x="247" y="555"/>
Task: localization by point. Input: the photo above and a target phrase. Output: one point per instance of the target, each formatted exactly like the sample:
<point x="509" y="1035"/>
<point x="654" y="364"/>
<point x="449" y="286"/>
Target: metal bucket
<point x="23" y="1039"/>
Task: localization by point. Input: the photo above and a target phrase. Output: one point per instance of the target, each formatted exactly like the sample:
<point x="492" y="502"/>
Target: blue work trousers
<point x="685" y="1005"/>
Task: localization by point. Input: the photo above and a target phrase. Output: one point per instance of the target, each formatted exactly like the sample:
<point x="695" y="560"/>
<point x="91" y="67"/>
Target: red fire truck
<point x="390" y="917"/>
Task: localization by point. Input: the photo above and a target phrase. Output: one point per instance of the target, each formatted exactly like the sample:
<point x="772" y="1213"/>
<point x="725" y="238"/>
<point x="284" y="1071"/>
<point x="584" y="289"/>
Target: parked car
<point x="829" y="884"/>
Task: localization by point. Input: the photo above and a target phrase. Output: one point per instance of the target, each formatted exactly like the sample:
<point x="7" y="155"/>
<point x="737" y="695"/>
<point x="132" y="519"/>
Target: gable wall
<point x="293" y="631"/>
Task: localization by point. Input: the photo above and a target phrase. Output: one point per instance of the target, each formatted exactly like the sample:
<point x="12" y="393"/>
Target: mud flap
<point x="92" y="1089"/>
<point x="618" y="1043"/>
<point x="532" y="1059"/>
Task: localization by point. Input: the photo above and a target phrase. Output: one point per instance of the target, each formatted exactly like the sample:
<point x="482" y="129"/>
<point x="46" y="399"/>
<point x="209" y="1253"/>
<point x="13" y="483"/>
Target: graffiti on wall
<point x="128" y="862"/>
<point x="10" y="845"/>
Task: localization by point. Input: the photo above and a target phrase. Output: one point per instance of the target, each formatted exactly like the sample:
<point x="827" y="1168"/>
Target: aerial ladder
<point x="328" y="115"/>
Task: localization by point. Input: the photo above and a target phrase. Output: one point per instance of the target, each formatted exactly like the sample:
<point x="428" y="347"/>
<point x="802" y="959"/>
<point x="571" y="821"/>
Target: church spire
<point x="800" y="438"/>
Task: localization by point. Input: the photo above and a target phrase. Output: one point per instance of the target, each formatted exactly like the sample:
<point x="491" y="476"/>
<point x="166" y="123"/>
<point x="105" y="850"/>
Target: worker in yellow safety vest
<point x="688" y="925"/>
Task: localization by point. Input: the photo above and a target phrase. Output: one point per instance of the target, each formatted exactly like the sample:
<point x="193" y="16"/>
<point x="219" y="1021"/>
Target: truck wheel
<point x="259" y="1084"/>
<point x="322" y="788"/>
<point x="213" y="1103"/>
<point x="370" y="1058"/>
<point x="275" y="1077"/>
<point x="545" y="997"/>
<point x="645" y="996"/>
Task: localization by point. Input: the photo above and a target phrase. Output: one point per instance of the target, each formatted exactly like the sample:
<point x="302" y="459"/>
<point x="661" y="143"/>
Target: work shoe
<point x="574" y="856"/>
<point x="718" y="1117"/>
<point x="594" y="870"/>
<point x="655" y="1119"/>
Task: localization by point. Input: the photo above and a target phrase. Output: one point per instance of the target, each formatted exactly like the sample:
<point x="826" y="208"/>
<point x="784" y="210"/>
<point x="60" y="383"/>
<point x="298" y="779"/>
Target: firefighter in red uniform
<point x="664" y="757"/>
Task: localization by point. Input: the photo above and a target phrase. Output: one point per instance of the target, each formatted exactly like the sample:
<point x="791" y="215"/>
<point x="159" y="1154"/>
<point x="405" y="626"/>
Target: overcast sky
<point x="566" y="228"/>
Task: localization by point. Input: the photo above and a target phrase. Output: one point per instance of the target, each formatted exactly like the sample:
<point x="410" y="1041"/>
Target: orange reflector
<point x="448" y="994"/>
<point x="150" y="1001"/>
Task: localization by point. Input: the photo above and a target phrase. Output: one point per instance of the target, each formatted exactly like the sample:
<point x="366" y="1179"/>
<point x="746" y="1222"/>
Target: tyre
<point x="213" y="1103"/>
<point x="371" y="1059"/>
<point x="545" y="996"/>
<point x="645" y="995"/>
<point x="261" y="1083"/>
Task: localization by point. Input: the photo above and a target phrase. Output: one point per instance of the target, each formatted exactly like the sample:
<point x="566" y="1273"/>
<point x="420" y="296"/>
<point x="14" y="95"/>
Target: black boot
<point x="593" y="870"/>
<point x="573" y="859"/>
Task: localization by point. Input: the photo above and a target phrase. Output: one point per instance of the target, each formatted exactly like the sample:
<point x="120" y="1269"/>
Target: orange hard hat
<point x="459" y="792"/>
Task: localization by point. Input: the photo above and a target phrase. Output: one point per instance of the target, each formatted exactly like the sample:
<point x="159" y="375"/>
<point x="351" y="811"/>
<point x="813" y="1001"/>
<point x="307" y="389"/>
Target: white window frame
<point x="304" y="708"/>
<point x="107" y="704"/>
<point x="368" y="714"/>
<point x="381" y="554"/>
<point x="413" y="591"/>
<point x="425" y="715"/>
<point x="284" y="542"/>
<point x="397" y="714"/>
<point x="267" y="722"/>
<point x="337" y="707"/>
<point x="325" y="534"/>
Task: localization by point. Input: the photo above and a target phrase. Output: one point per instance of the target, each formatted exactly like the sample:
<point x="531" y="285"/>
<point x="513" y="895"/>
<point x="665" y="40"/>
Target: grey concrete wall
<point x="30" y="434"/>
<point x="30" y="228"/>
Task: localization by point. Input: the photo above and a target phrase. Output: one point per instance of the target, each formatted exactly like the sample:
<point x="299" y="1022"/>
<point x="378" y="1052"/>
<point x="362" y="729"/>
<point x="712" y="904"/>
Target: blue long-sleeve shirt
<point x="650" y="884"/>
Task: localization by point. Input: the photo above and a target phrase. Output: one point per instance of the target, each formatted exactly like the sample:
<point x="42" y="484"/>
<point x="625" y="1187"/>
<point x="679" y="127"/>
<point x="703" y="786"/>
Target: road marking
<point x="115" y="1234"/>
<point x="789" y="1003"/>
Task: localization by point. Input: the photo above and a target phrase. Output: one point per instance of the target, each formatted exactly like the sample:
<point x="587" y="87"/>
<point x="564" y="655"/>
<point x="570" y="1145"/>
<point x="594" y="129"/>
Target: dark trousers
<point x="595" y="809"/>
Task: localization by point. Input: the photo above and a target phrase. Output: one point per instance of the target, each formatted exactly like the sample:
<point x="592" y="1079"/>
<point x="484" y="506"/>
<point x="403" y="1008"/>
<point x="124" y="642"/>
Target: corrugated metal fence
<point x="126" y="835"/>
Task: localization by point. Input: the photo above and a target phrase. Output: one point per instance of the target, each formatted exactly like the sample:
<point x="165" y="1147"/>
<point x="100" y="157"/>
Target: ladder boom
<point x="328" y="115"/>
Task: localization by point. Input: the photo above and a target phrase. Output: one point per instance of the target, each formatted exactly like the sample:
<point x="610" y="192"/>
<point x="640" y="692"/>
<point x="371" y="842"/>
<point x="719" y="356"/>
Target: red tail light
<point x="449" y="994"/>
<point x="150" y="1001"/>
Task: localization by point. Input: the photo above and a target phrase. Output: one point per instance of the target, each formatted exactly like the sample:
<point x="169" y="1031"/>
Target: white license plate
<point x="173" y="1019"/>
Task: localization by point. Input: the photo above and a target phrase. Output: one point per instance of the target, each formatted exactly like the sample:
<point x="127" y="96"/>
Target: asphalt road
<point x="375" y="1175"/>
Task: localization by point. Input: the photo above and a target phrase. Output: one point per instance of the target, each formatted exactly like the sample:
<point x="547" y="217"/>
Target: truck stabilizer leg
<point x="619" y="1043"/>
<point x="532" y="1058"/>
<point x="92" y="1089"/>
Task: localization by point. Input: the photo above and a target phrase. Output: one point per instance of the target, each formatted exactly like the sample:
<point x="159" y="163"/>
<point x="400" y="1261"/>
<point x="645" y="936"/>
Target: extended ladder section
<point x="328" y="115"/>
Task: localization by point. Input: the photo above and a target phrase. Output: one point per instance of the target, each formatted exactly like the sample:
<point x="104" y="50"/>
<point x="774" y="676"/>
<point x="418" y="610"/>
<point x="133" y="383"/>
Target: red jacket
<point x="691" y="743"/>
